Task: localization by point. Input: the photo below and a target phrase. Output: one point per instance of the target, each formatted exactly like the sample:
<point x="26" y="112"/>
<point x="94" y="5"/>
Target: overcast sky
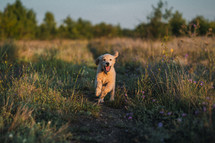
<point x="127" y="13"/>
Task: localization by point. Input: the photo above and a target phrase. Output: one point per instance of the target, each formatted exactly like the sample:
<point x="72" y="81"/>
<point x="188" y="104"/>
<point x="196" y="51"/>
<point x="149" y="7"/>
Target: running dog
<point x="106" y="76"/>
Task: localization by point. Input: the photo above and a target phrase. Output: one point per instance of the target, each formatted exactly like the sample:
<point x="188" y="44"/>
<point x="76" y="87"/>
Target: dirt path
<point x="109" y="127"/>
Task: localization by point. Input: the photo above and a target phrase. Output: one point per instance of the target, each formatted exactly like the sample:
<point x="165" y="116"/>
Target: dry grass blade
<point x="22" y="116"/>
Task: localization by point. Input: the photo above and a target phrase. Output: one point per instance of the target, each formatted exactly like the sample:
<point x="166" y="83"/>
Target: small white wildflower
<point x="10" y="135"/>
<point x="179" y="120"/>
<point x="24" y="140"/>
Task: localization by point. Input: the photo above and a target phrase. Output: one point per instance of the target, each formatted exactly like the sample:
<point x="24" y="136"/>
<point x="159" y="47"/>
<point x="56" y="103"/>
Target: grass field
<point x="164" y="91"/>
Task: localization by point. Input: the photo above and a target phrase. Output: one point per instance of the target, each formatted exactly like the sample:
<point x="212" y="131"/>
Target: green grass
<point x="39" y="100"/>
<point x="165" y="91"/>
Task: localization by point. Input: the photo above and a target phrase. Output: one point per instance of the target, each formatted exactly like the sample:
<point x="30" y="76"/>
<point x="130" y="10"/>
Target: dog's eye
<point x="103" y="59"/>
<point x="110" y="59"/>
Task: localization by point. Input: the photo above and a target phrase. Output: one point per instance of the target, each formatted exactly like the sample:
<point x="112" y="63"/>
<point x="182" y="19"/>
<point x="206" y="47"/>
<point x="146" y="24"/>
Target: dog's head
<point x="107" y="61"/>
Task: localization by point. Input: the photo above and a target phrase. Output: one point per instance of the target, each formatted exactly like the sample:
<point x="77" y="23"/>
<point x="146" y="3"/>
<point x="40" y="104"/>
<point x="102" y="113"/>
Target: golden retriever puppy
<point x="106" y="76"/>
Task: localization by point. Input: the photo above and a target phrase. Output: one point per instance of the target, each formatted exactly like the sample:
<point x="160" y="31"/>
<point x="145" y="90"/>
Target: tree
<point x="176" y="23"/>
<point x="84" y="29"/>
<point x="158" y="25"/>
<point x="140" y="30"/>
<point x="66" y="29"/>
<point x="71" y="29"/>
<point x="212" y="27"/>
<point x="128" y="33"/>
<point x="18" y="22"/>
<point x="1" y="30"/>
<point x="203" y="24"/>
<point x="47" y="29"/>
<point x="106" y="30"/>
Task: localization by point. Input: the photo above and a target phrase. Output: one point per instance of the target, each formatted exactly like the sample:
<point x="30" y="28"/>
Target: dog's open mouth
<point x="107" y="68"/>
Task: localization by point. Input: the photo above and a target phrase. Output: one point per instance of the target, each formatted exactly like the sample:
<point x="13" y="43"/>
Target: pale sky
<point x="126" y="13"/>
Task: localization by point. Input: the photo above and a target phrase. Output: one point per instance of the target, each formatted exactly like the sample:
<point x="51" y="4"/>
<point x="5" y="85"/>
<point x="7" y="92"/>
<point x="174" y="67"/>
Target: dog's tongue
<point x="107" y="68"/>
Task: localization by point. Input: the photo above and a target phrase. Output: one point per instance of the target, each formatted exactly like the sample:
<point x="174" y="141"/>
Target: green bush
<point x="8" y="52"/>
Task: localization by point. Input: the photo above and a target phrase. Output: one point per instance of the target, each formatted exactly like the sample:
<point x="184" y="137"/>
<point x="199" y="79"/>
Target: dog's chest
<point x="106" y="78"/>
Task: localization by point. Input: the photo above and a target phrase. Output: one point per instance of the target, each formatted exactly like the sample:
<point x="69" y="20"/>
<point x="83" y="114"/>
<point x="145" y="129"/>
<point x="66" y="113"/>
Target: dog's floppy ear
<point x="116" y="54"/>
<point x="98" y="59"/>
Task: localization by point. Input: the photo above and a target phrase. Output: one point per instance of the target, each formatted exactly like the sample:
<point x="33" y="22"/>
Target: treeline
<point x="18" y="22"/>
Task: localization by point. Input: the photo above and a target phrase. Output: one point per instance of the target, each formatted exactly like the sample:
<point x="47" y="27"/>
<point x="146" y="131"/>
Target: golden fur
<point x="106" y="76"/>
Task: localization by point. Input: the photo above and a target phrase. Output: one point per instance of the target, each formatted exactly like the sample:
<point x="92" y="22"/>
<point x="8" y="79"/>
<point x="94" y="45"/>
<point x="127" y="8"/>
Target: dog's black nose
<point x="107" y="64"/>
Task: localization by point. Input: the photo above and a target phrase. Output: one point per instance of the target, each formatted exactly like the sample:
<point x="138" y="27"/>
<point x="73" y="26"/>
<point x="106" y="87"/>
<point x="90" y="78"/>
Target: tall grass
<point x="40" y="99"/>
<point x="176" y="101"/>
<point x="166" y="87"/>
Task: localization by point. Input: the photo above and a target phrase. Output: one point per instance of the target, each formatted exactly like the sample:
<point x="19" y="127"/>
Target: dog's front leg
<point x="98" y="88"/>
<point x="112" y="94"/>
<point x="106" y="90"/>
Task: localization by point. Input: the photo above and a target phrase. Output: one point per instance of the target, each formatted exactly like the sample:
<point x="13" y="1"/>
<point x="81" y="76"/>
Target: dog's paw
<point x="101" y="100"/>
<point x="98" y="92"/>
<point x="112" y="99"/>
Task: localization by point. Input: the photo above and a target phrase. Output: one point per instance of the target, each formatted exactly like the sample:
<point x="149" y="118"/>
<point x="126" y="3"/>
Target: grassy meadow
<point x="164" y="91"/>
